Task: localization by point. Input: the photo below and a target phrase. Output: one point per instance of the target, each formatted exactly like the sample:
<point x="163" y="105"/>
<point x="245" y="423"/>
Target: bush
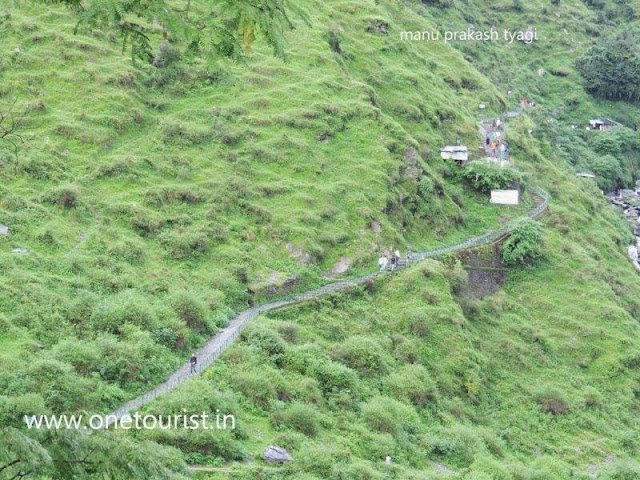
<point x="256" y="387"/>
<point x="552" y="401"/>
<point x="412" y="383"/>
<point x="268" y="341"/>
<point x="66" y="196"/>
<point x="363" y="354"/>
<point x="190" y="309"/>
<point x="183" y="243"/>
<point x="490" y="467"/>
<point x="386" y="415"/>
<point x="334" y="377"/>
<point x="128" y="307"/>
<point x="485" y="176"/>
<point x="524" y="243"/>
<point x="425" y="187"/>
<point x="300" y="417"/>
<point x="608" y="172"/>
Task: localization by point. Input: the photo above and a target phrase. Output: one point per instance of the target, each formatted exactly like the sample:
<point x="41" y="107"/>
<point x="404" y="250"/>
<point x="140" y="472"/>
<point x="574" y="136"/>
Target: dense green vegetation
<point x="156" y="198"/>
<point x="612" y="70"/>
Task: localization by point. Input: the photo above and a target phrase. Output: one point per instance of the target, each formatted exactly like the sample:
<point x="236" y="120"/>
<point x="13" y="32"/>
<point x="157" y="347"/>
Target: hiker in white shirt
<point x="382" y="263"/>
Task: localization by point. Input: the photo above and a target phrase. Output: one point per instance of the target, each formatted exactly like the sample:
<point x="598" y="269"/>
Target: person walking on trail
<point x="382" y="263"/>
<point x="193" y="361"/>
<point x="397" y="255"/>
<point x="503" y="150"/>
<point x="394" y="260"/>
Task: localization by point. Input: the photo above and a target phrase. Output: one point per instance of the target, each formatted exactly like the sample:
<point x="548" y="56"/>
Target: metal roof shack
<point x="603" y="124"/>
<point x="459" y="153"/>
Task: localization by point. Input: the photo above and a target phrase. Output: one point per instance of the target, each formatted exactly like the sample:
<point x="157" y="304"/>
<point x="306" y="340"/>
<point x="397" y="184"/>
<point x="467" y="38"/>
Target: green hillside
<point x="148" y="202"/>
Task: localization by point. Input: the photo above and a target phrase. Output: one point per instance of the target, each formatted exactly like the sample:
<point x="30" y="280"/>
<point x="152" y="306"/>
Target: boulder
<point x="341" y="267"/>
<point x="273" y="454"/>
<point x="4" y="230"/>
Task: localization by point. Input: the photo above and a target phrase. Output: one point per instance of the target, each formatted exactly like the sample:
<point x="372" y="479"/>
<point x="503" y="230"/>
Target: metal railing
<point x="220" y="342"/>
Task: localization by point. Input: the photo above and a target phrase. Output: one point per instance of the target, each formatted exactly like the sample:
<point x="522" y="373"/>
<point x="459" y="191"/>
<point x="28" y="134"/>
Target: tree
<point x="608" y="171"/>
<point x="224" y="28"/>
<point x="612" y="69"/>
<point x="524" y="243"/>
<point x="486" y="176"/>
<point x="11" y="124"/>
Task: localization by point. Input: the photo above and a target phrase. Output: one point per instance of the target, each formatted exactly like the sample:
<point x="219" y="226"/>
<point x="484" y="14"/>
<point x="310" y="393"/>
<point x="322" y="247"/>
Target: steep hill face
<point x="149" y="202"/>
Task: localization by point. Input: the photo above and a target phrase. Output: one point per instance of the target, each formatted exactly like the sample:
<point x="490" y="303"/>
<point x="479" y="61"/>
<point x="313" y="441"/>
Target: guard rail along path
<point x="219" y="343"/>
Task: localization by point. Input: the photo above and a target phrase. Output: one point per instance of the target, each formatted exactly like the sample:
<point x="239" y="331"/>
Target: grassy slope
<point x="243" y="142"/>
<point x="562" y="334"/>
<point x="210" y="177"/>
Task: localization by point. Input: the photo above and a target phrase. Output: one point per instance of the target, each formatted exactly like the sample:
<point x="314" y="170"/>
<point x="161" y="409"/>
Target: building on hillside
<point x="602" y="124"/>
<point x="585" y="175"/>
<point x="459" y="153"/>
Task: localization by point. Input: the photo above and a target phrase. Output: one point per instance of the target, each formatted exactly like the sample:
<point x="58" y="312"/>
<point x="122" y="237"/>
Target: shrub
<point x="300" y="417"/>
<point x="267" y="340"/>
<point x="185" y="243"/>
<point x="130" y="250"/>
<point x="490" y="467"/>
<point x="524" y="243"/>
<point x="458" y="277"/>
<point x="363" y="354"/>
<point x="166" y="55"/>
<point x="66" y="196"/>
<point x="190" y="309"/>
<point x="486" y="176"/>
<point x="334" y="377"/>
<point x="552" y="401"/>
<point x="412" y="383"/>
<point x="425" y="187"/>
<point x="608" y="171"/>
<point x="128" y="307"/>
<point x="256" y="387"/>
<point x="386" y="415"/>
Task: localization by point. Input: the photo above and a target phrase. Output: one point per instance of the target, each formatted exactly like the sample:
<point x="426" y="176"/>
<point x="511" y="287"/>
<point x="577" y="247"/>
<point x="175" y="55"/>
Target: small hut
<point x="602" y="124"/>
<point x="459" y="153"/>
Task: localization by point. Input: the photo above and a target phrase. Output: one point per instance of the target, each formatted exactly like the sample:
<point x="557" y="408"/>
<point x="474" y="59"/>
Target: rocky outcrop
<point x="273" y="454"/>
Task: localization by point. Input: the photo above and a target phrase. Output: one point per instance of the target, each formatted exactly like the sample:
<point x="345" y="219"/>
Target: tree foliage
<point x="524" y="243"/>
<point x="608" y="171"/>
<point x="224" y="28"/>
<point x="612" y="68"/>
<point x="485" y="176"/>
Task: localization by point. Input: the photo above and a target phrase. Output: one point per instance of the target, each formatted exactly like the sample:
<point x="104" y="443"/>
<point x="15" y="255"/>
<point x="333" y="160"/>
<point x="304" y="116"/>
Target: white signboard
<point x="505" y="197"/>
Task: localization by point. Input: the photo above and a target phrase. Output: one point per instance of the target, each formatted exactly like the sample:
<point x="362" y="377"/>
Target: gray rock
<point x="342" y="266"/>
<point x="273" y="454"/>
<point x="20" y="250"/>
<point x="441" y="467"/>
<point x="4" y="230"/>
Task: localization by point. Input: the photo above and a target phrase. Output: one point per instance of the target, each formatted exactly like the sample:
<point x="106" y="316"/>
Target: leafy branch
<point x="11" y="124"/>
<point x="227" y="29"/>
